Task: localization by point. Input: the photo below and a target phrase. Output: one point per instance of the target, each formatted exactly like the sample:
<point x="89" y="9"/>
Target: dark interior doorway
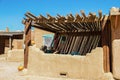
<point x="2" y="45"/>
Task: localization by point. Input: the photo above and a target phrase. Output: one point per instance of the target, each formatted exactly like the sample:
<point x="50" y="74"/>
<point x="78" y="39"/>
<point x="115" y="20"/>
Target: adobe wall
<point x="17" y="44"/>
<point x="38" y="33"/>
<point x="115" y="26"/>
<point x="15" y="55"/>
<point x="116" y="58"/>
<point x="56" y="65"/>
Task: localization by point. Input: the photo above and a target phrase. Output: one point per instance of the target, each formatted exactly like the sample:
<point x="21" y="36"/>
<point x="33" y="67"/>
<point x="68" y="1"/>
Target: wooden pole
<point x="27" y="42"/>
<point x="10" y="43"/>
<point x="105" y="44"/>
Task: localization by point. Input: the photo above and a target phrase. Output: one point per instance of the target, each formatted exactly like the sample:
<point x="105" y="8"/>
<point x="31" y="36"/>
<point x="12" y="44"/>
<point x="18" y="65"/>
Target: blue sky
<point x="12" y="11"/>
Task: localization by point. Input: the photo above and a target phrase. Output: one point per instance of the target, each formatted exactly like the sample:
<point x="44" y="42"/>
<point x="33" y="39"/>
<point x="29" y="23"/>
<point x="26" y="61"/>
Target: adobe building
<point x="85" y="47"/>
<point x="10" y="40"/>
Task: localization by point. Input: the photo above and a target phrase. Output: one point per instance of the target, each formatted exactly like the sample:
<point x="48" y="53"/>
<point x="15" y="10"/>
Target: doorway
<point x="2" y="45"/>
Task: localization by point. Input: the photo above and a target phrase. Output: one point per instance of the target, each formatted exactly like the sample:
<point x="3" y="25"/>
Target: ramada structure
<point x="94" y="40"/>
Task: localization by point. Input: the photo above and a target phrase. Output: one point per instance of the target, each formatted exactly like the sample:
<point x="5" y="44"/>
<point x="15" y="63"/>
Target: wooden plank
<point x="56" y="41"/>
<point x="87" y="44"/>
<point x="59" y="44"/>
<point x="69" y="18"/>
<point x="68" y="28"/>
<point x="60" y="19"/>
<point x="31" y="15"/>
<point x="78" y="18"/>
<point x="75" y="46"/>
<point x="53" y="27"/>
<point x="71" y="44"/>
<point x="64" y="44"/>
<point x="67" y="43"/>
<point x="50" y="18"/>
<point x="62" y="26"/>
<point x="54" y="24"/>
<point x="83" y="14"/>
<point x="75" y="26"/>
<point x="100" y="15"/>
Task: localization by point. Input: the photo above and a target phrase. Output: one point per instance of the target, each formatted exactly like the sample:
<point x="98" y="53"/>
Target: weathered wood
<point x="70" y="18"/>
<point x="83" y="13"/>
<point x="50" y="18"/>
<point x="100" y="15"/>
<point x="27" y="42"/>
<point x="43" y="28"/>
<point x="51" y="26"/>
<point x="72" y="44"/>
<point x="78" y="18"/>
<point x="67" y="43"/>
<point x="105" y="45"/>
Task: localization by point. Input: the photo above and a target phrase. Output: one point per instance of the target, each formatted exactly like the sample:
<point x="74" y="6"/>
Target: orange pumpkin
<point x="32" y="42"/>
<point x="20" y="68"/>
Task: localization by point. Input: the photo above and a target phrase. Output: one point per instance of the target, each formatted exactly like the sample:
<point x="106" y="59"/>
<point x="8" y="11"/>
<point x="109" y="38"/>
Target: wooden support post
<point x="27" y="42"/>
<point x="106" y="40"/>
<point x="10" y="43"/>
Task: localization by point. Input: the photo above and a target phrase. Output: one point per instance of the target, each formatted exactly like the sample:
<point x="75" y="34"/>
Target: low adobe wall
<point x="56" y="65"/>
<point x="116" y="58"/>
<point x="15" y="55"/>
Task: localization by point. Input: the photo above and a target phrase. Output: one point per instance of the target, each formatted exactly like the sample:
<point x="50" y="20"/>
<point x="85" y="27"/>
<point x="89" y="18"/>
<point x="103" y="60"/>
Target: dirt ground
<point x="8" y="71"/>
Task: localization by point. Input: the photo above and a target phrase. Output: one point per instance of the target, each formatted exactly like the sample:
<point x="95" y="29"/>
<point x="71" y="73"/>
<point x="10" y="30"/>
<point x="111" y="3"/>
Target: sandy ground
<point x="8" y="71"/>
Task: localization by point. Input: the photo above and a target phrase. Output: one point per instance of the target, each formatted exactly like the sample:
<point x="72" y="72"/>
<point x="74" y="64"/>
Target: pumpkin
<point x="20" y="68"/>
<point x="32" y="42"/>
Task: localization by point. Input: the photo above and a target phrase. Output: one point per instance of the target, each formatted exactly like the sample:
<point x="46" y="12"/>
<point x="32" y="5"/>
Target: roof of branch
<point x="68" y="23"/>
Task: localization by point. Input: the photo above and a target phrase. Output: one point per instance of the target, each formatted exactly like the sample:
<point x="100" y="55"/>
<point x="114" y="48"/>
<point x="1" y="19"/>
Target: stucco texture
<point x="116" y="58"/>
<point x="15" y="55"/>
<point x="55" y="65"/>
<point x="38" y="36"/>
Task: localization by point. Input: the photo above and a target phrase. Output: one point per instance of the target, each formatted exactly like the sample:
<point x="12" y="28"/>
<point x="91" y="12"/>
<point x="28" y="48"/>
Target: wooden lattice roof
<point x="69" y="23"/>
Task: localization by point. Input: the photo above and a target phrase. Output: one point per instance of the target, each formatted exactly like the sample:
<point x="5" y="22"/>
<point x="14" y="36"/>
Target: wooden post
<point x="106" y="43"/>
<point x="10" y="43"/>
<point x="27" y="42"/>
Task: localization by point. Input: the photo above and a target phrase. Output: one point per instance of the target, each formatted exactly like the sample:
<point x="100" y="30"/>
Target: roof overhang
<point x="11" y="33"/>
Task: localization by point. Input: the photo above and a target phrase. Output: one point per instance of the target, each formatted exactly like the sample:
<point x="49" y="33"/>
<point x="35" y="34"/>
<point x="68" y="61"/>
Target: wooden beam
<point x="69" y="18"/>
<point x="42" y="19"/>
<point x="50" y="18"/>
<point x="60" y="19"/>
<point x="93" y="16"/>
<point x="41" y="26"/>
<point x="31" y="15"/>
<point x="100" y="15"/>
<point x="78" y="18"/>
<point x="83" y="15"/>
